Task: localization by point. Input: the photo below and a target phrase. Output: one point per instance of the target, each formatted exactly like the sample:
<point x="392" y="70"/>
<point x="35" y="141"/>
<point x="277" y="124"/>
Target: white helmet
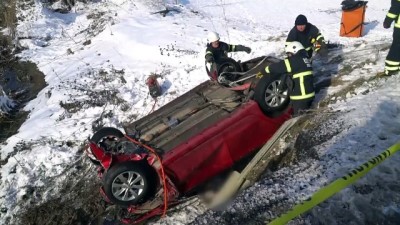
<point x="293" y="47"/>
<point x="212" y="36"/>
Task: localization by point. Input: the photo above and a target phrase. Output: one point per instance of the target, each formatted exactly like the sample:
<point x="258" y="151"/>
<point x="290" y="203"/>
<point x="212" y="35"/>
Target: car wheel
<point x="229" y="65"/>
<point x="107" y="138"/>
<point x="272" y="97"/>
<point x="130" y="183"/>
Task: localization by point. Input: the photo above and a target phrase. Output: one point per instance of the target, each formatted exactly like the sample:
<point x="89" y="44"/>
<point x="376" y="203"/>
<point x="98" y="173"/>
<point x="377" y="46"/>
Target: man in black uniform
<point x="308" y="35"/>
<point x="216" y="50"/>
<point x="392" y="63"/>
<point x="299" y="70"/>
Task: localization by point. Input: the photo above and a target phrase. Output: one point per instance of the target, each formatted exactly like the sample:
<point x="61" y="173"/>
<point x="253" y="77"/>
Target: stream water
<point x="21" y="81"/>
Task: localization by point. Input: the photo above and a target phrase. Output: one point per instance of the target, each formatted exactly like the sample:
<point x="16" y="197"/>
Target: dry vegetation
<point x="79" y="201"/>
<point x="7" y="20"/>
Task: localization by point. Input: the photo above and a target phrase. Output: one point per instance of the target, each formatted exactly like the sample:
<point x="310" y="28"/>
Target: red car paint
<point x="201" y="157"/>
<point x="220" y="146"/>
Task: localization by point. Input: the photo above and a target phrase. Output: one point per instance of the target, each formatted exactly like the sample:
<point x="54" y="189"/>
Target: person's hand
<point x="321" y="48"/>
<point x="247" y="50"/>
<point x="387" y="23"/>
<point x="210" y="59"/>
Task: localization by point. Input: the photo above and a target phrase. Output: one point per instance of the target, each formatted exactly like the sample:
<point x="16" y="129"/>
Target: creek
<point x="21" y="81"/>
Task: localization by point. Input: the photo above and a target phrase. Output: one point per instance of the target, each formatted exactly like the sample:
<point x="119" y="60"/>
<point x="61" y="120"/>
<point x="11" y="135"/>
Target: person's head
<point x="301" y="22"/>
<point x="213" y="39"/>
<point x="292" y="48"/>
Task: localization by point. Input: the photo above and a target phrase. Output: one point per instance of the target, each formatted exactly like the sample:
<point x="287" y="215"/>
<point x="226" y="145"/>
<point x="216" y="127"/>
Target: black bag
<point x="349" y="5"/>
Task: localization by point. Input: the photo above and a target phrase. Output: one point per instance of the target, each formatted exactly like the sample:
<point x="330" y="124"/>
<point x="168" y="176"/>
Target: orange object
<point x="352" y="24"/>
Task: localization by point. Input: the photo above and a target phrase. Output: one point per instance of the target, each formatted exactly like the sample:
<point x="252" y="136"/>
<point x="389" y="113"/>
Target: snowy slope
<point x="358" y="130"/>
<point x="96" y="60"/>
<point x="6" y="104"/>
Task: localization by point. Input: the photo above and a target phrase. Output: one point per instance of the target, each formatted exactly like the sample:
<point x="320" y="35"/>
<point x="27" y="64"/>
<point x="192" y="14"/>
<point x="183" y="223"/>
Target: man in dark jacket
<point x="392" y="63"/>
<point x="216" y="50"/>
<point x="308" y="35"/>
<point x="299" y="70"/>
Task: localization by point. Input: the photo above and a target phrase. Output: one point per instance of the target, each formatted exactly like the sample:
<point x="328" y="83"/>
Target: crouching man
<point x="297" y="67"/>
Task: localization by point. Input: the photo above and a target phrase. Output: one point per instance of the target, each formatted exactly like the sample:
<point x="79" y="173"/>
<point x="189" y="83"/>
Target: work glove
<point x="321" y="48"/>
<point x="262" y="73"/>
<point x="387" y="23"/>
<point x="247" y="49"/>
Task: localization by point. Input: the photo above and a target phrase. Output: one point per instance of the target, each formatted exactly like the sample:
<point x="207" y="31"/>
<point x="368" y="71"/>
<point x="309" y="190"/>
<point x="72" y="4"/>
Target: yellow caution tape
<point x="335" y="186"/>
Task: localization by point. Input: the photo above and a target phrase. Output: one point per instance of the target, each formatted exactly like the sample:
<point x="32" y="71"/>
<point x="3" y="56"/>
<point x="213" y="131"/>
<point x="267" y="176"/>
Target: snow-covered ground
<point x="96" y="60"/>
<point x="6" y="104"/>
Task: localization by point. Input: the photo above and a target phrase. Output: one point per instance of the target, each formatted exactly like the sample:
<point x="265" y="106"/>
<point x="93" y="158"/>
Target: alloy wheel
<point x="127" y="186"/>
<point x="275" y="95"/>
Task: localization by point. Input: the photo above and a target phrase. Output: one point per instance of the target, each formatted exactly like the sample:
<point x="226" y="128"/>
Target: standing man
<point x="392" y="63"/>
<point x="299" y="70"/>
<point x="308" y="35"/>
<point x="216" y="50"/>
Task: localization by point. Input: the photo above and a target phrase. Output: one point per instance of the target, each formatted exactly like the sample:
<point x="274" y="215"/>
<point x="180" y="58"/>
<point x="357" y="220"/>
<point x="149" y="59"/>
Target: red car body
<point x="218" y="147"/>
<point x="210" y="137"/>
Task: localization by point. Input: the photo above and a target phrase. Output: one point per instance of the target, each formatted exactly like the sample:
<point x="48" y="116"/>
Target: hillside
<point x="97" y="55"/>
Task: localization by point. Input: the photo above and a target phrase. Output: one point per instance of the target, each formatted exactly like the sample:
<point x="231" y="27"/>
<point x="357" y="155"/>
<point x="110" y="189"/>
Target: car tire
<point x="272" y="98"/>
<point x="142" y="185"/>
<point x="107" y="137"/>
<point x="229" y="65"/>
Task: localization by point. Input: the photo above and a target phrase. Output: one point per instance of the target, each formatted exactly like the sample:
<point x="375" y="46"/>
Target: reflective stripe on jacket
<point x="299" y="67"/>
<point x="394" y="13"/>
<point x="222" y="50"/>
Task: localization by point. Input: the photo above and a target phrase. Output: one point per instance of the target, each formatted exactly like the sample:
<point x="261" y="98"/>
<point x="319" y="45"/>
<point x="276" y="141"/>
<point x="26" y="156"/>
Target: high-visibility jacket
<point x="392" y="62"/>
<point x="394" y="14"/>
<point x="222" y="50"/>
<point x="307" y="38"/>
<point x="300" y="70"/>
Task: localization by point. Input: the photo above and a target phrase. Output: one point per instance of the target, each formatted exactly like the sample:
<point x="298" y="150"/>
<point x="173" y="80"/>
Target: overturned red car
<point x="164" y="156"/>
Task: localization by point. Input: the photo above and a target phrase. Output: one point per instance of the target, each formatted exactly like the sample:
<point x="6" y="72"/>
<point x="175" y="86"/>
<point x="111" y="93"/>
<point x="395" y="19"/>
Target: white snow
<point x="137" y="42"/>
<point x="6" y="104"/>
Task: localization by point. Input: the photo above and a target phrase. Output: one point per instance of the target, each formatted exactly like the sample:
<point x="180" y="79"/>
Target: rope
<point x="225" y="19"/>
<point x="164" y="183"/>
<point x="154" y="106"/>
